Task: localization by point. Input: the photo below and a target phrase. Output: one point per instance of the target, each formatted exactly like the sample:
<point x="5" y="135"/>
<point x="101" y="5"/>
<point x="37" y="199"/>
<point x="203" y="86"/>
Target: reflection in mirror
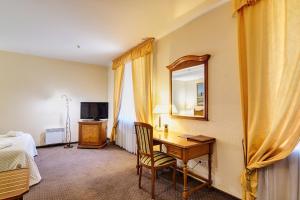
<point x="189" y="87"/>
<point x="188" y="91"/>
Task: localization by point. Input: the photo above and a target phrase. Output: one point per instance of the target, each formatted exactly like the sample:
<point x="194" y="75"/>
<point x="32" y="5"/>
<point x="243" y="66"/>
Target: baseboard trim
<point x="197" y="179"/>
<point x="53" y="145"/>
<point x="60" y="144"/>
<point x="233" y="197"/>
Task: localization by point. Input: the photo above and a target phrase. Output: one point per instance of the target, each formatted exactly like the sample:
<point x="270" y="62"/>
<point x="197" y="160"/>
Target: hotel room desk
<point x="185" y="150"/>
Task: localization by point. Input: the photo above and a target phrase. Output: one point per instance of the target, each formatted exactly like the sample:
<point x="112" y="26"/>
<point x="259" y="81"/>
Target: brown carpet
<point x="107" y="174"/>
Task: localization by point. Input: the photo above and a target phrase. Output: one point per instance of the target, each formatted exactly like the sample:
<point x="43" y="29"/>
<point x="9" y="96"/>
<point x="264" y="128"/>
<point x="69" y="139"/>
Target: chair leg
<point x="153" y="171"/>
<point x="174" y="176"/>
<point x="140" y="176"/>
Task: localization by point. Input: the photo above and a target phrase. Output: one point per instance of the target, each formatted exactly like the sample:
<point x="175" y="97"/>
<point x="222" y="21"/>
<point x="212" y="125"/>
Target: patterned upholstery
<point x="144" y="139"/>
<point x="160" y="159"/>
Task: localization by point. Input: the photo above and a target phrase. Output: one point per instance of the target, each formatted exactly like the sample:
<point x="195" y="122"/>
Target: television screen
<point x="94" y="110"/>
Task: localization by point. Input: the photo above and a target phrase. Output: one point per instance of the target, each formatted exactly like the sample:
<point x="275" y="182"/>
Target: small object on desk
<point x="198" y="138"/>
<point x="166" y="128"/>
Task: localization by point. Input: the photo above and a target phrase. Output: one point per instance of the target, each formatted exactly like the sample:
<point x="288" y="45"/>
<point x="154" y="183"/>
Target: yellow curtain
<point x="141" y="57"/>
<point x="269" y="55"/>
<point x="118" y="85"/>
<point x="142" y="87"/>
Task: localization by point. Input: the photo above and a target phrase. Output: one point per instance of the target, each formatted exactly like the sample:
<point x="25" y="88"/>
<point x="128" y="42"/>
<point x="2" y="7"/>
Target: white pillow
<point x="14" y="133"/>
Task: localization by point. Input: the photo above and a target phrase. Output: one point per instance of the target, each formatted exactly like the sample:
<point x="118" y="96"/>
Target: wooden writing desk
<point x="185" y="150"/>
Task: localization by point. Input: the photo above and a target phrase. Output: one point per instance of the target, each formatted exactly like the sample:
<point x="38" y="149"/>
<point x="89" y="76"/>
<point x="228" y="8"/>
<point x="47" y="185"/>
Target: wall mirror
<point x="189" y="87"/>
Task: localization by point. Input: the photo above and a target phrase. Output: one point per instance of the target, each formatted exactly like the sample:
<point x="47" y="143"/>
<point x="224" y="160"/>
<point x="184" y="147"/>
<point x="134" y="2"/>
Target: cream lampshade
<point x="160" y="110"/>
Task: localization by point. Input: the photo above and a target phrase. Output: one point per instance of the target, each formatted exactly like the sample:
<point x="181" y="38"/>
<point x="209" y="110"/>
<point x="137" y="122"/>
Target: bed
<point x="19" y="152"/>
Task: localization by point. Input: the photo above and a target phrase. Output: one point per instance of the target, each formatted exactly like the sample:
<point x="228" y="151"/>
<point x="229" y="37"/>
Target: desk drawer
<point x="174" y="151"/>
<point x="198" y="151"/>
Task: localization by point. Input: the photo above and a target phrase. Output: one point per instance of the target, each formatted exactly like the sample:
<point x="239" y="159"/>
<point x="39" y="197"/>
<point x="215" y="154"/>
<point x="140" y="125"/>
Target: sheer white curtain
<point x="125" y="137"/>
<point x="281" y="181"/>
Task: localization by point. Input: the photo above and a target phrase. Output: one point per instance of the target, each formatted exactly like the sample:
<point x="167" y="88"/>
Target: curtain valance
<point x="140" y="50"/>
<point x="239" y="4"/>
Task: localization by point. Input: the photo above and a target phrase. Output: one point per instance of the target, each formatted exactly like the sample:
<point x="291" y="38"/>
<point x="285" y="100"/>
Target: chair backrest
<point x="144" y="138"/>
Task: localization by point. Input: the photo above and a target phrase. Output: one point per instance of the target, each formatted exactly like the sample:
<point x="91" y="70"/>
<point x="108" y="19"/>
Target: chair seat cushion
<point x="160" y="159"/>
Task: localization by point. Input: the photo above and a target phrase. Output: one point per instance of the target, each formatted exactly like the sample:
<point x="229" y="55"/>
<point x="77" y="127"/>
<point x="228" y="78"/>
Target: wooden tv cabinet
<point x="92" y="134"/>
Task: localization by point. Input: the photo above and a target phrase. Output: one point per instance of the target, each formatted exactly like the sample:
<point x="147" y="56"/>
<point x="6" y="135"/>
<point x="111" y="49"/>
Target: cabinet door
<point x="90" y="134"/>
<point x="103" y="132"/>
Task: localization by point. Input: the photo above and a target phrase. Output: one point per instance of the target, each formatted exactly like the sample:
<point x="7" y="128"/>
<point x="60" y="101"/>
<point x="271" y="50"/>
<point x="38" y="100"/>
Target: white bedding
<point x="20" y="154"/>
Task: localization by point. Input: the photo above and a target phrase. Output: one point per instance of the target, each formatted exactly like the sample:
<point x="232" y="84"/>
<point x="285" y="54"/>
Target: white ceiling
<point x="104" y="29"/>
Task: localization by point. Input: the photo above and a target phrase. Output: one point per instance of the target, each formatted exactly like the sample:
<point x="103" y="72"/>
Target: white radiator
<point x="55" y="136"/>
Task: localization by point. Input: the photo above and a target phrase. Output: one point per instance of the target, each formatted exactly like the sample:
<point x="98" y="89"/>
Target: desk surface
<point x="173" y="138"/>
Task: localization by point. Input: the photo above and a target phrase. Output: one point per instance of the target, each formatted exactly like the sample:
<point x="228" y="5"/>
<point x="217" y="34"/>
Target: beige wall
<point x="31" y="89"/>
<point x="213" y="33"/>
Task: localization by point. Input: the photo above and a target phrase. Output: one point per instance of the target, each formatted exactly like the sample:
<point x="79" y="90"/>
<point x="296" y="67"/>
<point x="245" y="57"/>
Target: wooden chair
<point x="14" y="184"/>
<point x="150" y="159"/>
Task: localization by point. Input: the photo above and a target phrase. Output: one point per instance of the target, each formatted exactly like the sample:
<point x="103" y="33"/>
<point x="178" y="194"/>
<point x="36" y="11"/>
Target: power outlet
<point x="203" y="163"/>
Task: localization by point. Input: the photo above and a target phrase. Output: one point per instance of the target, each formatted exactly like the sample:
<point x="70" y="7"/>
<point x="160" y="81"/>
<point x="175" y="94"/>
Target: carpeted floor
<point x="107" y="174"/>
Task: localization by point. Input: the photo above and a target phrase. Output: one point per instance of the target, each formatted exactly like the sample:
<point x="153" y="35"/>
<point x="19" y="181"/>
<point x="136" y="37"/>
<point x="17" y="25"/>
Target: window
<point x="125" y="136"/>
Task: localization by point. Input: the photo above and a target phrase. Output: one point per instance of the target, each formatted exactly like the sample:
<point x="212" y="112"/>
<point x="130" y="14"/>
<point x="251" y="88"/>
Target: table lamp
<point x="160" y="110"/>
<point x="174" y="109"/>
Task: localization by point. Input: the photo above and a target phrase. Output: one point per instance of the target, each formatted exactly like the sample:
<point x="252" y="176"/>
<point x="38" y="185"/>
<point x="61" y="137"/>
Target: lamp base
<point x="157" y="128"/>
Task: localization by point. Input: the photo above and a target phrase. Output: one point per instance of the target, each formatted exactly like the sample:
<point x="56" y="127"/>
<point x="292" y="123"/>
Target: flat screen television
<point x="94" y="110"/>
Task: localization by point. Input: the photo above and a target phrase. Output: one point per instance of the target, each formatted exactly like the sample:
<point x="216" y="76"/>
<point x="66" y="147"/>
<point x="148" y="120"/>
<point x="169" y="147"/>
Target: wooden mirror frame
<point x="186" y="62"/>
